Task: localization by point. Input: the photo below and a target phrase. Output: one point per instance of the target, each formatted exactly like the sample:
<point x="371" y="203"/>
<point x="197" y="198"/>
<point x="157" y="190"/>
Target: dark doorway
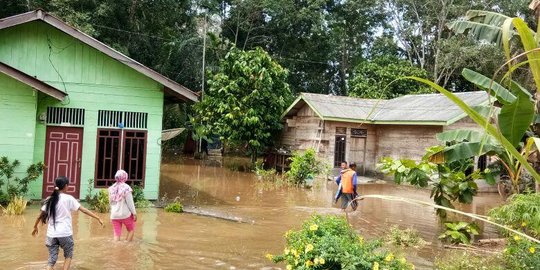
<point x="339" y="150"/>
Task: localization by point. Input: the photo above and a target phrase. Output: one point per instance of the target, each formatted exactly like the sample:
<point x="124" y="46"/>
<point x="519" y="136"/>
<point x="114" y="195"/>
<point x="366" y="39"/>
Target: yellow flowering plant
<point x="522" y="212"/>
<point x="521" y="254"/>
<point x="329" y="242"/>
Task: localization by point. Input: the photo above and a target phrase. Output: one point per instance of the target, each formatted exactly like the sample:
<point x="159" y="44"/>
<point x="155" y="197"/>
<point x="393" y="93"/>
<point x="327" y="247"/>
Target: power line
<point x="166" y="39"/>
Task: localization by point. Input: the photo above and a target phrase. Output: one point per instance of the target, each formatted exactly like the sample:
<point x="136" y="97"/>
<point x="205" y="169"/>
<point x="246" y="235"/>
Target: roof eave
<point x="379" y="122"/>
<point x="296" y="101"/>
<point x="32" y="82"/>
<point x="464" y="114"/>
<point x="92" y="42"/>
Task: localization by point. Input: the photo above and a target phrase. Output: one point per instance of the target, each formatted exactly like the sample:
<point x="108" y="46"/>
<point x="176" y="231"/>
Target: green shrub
<point x="174" y="207"/>
<point x="139" y="199"/>
<point x="304" y="165"/>
<point x="463" y="260"/>
<point x="100" y="202"/>
<point x="408" y="237"/>
<point x="16" y="186"/>
<point x="521" y="212"/>
<point x="459" y="232"/>
<point x="521" y="254"/>
<point x="329" y="242"/>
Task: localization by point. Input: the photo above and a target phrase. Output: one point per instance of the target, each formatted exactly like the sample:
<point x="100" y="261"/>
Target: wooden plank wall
<point x="405" y="141"/>
<point x="354" y="148"/>
<point x="301" y="130"/>
<point x="396" y="141"/>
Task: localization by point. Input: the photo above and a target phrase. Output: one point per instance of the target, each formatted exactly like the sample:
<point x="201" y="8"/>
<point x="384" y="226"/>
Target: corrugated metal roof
<point x="425" y="108"/>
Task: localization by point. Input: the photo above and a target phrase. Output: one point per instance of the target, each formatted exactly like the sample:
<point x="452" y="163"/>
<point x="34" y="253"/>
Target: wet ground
<point x="188" y="241"/>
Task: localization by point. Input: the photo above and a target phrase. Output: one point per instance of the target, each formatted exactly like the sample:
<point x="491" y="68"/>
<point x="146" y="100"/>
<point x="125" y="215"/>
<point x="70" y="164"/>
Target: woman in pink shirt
<point x="122" y="206"/>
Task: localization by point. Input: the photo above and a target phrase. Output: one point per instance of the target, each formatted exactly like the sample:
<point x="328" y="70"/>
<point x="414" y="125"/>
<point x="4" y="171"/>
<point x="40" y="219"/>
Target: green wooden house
<point x="79" y="106"/>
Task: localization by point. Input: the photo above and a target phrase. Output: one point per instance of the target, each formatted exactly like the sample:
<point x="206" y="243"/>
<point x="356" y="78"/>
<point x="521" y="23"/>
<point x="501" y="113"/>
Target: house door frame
<point x="340" y="149"/>
<point x="58" y="162"/>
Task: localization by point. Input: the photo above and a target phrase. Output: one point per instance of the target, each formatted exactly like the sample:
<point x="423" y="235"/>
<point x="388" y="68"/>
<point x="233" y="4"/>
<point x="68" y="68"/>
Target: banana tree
<point x="465" y="144"/>
<point x="517" y="104"/>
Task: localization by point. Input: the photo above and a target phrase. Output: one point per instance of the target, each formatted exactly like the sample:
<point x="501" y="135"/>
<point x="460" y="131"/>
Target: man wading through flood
<point x="347" y="182"/>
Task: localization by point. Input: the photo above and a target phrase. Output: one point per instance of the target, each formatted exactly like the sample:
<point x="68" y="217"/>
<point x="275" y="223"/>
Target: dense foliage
<point x="245" y="99"/>
<point x="522" y="211"/>
<point x="329" y="242"/>
<point x="521" y="254"/>
<point x="304" y="165"/>
<point x="375" y="79"/>
<point x="320" y="41"/>
<point x="449" y="181"/>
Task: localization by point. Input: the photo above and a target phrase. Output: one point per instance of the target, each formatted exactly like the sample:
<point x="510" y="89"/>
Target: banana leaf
<point x="460" y="135"/>
<point x="481" y="25"/>
<point x="464" y="135"/>
<point x="466" y="150"/>
<point x="516" y="88"/>
<point x="502" y="94"/>
<point x="515" y="119"/>
<point x="482" y="122"/>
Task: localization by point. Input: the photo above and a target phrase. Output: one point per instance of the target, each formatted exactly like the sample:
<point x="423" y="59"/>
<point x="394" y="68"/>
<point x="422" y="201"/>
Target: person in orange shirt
<point x="347" y="181"/>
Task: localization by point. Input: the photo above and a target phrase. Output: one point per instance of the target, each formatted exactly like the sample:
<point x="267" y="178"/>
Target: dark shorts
<point x="346" y="198"/>
<point x="53" y="244"/>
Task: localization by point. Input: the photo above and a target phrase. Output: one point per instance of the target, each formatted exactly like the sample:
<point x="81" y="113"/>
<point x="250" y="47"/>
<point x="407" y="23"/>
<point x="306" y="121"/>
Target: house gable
<point x="52" y="56"/>
<point x="93" y="82"/>
<point x="169" y="86"/>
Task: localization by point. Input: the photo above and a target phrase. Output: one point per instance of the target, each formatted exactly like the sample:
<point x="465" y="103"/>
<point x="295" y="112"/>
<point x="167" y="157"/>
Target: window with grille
<point x="120" y="149"/>
<point x="358" y="132"/>
<point x="65" y="116"/>
<point x="122" y="119"/>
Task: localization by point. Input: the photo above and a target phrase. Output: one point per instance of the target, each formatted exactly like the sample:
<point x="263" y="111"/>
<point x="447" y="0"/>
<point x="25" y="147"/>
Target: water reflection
<point x="186" y="241"/>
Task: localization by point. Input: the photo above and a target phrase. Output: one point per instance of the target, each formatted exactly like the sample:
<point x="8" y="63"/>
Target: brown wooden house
<point x="365" y="130"/>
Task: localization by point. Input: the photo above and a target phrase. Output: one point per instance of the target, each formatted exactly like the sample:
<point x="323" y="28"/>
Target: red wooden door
<point x="63" y="152"/>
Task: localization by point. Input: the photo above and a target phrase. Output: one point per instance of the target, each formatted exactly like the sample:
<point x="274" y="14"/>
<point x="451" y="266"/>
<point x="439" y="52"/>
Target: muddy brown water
<point x="188" y="241"/>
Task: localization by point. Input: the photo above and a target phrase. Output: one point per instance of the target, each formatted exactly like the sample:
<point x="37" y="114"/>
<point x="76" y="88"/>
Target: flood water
<point x="189" y="241"/>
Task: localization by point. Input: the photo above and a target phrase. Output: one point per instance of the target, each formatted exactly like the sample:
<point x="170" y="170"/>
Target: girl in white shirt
<point x="122" y="206"/>
<point x="56" y="212"/>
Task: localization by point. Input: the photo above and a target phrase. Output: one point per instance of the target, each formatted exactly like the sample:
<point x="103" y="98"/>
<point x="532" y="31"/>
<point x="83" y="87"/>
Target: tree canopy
<point x="320" y="42"/>
<point x="377" y="79"/>
<point x="245" y="99"/>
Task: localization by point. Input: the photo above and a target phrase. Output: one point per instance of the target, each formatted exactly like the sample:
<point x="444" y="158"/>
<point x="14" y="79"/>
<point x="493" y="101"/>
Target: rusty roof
<point x="424" y="109"/>
<point x="170" y="87"/>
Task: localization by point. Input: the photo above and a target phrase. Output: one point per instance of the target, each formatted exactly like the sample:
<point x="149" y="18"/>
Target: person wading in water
<point x="347" y="181"/>
<point x="56" y="212"/>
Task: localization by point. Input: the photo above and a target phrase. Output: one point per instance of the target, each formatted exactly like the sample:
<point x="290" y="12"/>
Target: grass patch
<point x="463" y="260"/>
<point x="408" y="237"/>
<point x="16" y="206"/>
<point x="174" y="207"/>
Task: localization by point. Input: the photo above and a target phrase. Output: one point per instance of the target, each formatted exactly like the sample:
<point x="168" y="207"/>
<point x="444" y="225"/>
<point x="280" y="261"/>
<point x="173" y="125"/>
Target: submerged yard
<point x="188" y="241"/>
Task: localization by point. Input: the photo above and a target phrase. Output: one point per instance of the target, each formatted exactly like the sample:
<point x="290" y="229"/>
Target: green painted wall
<point x="93" y="81"/>
<point x="17" y="122"/>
